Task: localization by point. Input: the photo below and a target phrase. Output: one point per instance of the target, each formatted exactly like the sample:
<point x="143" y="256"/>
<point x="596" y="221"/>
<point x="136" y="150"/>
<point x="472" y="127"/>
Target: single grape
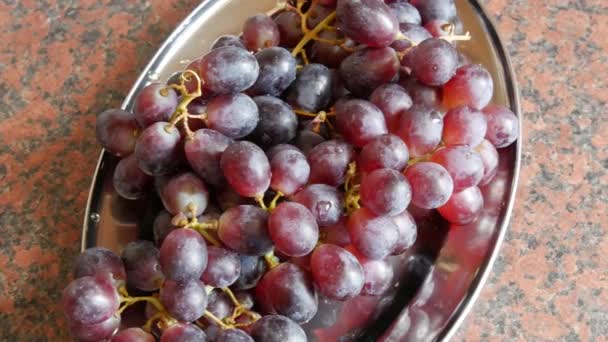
<point x="90" y="300"/>
<point x="373" y="236"/>
<point x="223" y="267"/>
<point x="273" y="151"/>
<point x="155" y="102"/>
<point x="185" y="301"/>
<point x="421" y="128"/>
<point x="324" y="202"/>
<point x="421" y="94"/>
<point x="489" y="156"/>
<point x="183" y="332"/>
<point x="391" y="99"/>
<point x="129" y="181"/>
<point x="336" y="272"/>
<point x="278" y="123"/>
<point x="434" y="61"/>
<point x="95" y="332"/>
<point x="385" y="151"/>
<point x="185" y="193"/>
<point x="435" y="9"/>
<point x="204" y="151"/>
<point x="183" y="255"/>
<point x="141" y="260"/>
<point x="503" y="125"/>
<point x="385" y="192"/>
<point x="225" y="70"/>
<point x="246" y="298"/>
<point x="471" y="86"/>
<point x="290" y="171"/>
<point x="232" y="335"/>
<point x="293" y="229"/>
<point x="133" y="335"/>
<point x="117" y="131"/>
<point x="369" y="22"/>
<point x="228" y="40"/>
<point x="306" y="140"/>
<point x="337" y="233"/>
<point x="287" y="290"/>
<point x="246" y="168"/>
<point x="464" y="165"/>
<point x="244" y="229"/>
<point x="463" y="207"/>
<point x="404" y="12"/>
<point x="464" y="126"/>
<point x="329" y="161"/>
<point x="414" y="34"/>
<point x="360" y="121"/>
<point x="97" y="261"/>
<point x="408" y="232"/>
<point x="431" y="184"/>
<point x="260" y="31"/>
<point x="219" y="304"/>
<point x="311" y="91"/>
<point x="158" y="149"/>
<point x="277" y="71"/>
<point x="162" y="226"/>
<point x="233" y="115"/>
<point x="327" y="53"/>
<point x="365" y="70"/>
<point x="252" y="270"/>
<point x="289" y="24"/>
<point x="276" y="328"/>
<point x="378" y="274"/>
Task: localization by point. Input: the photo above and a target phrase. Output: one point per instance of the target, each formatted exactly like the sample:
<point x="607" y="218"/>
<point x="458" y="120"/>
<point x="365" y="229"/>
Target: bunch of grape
<point x="286" y="159"/>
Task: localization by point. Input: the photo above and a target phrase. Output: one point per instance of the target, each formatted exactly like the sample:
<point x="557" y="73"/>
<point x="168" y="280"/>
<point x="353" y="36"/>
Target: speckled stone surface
<point x="62" y="62"/>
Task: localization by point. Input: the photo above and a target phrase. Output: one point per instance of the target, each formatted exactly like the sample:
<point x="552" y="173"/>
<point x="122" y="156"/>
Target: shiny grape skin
<point x="95" y="332"/>
<point x="373" y="236"/>
<point x="252" y="270"/>
<point x="391" y="99"/>
<point x="336" y="272"/>
<point x="312" y="89"/>
<point x="289" y="24"/>
<point x="365" y="70"/>
<point x="133" y="335"/>
<point x="431" y="184"/>
<point x="489" y="156"/>
<point x="155" y="102"/>
<point x="464" y="165"/>
<point x="276" y="328"/>
<point x="306" y="140"/>
<point x="369" y="22"/>
<point x="435" y="9"/>
<point x="471" y="86"/>
<point x="293" y="229"/>
<point x="183" y="193"/>
<point x="158" y="149"/>
<point x="290" y="171"/>
<point x="277" y="71"/>
<point x="408" y="232"/>
<point x="98" y="260"/>
<point x="433" y="62"/>
<point x="141" y="260"/>
<point x="129" y="181"/>
<point x="360" y="121"/>
<point x="463" y="207"/>
<point x="328" y="54"/>
<point x="246" y="168"/>
<point x="244" y="229"/>
<point x="183" y="332"/>
<point x="233" y="115"/>
<point x="275" y="150"/>
<point x="223" y="267"/>
<point x="117" y="131"/>
<point x="226" y="70"/>
<point x="288" y="290"/>
<point x="260" y="31"/>
<point x="90" y="300"/>
<point x="415" y="33"/>
<point x="278" y="123"/>
<point x="232" y="335"/>
<point x="329" y="162"/>
<point x="503" y="125"/>
<point x="228" y="40"/>
<point x="464" y="126"/>
<point x="420" y="93"/>
<point x="421" y="128"/>
<point x="385" y="192"/>
<point x="385" y="151"/>
<point x="404" y="12"/>
<point x="204" y="151"/>
<point x="185" y="301"/>
<point x="378" y="274"/>
<point x="324" y="202"/>
<point x="183" y="255"/>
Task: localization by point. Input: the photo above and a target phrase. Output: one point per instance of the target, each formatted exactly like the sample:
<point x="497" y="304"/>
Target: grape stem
<point x="271" y="259"/>
<point x="273" y="203"/>
<point x="181" y="112"/>
<point x="161" y="316"/>
<point x="352" y="196"/>
<point x="218" y="321"/>
<point x="202" y="228"/>
<point x="318" y="118"/>
<point x="239" y="309"/>
<point x="310" y="34"/>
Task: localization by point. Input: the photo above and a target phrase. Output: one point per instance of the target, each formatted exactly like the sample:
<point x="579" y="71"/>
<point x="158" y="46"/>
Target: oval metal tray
<point x="437" y="281"/>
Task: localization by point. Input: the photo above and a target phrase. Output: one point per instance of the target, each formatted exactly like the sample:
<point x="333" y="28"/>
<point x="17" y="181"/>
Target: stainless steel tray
<point x="442" y="275"/>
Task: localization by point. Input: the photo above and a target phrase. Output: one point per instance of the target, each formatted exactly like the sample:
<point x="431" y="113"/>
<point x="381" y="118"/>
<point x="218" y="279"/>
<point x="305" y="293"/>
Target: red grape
<point x="183" y="255"/>
<point x="414" y="33"/>
<point x="133" y="335"/>
<point x="464" y="165"/>
<point x="232" y="335"/>
<point x="421" y="128"/>
<point x="391" y="99"/>
<point x="289" y="24"/>
<point x="327" y="53"/>
<point x="162" y="226"/>
<point x="95" y="332"/>
<point x="141" y="260"/>
<point x="433" y="62"/>
<point x="420" y="93"/>
<point x="365" y="70"/>
<point x="293" y="229"/>
<point x="317" y="14"/>
<point x="464" y="126"/>
<point x="185" y="192"/>
<point x="407" y="232"/>
<point x="489" y="156"/>
<point x="404" y="12"/>
<point x="233" y="115"/>
<point x="90" y="300"/>
<point x="155" y="102"/>
<point x="97" y="261"/>
<point x="385" y="192"/>
<point x="290" y="170"/>
<point x="204" y="151"/>
<point x="311" y="91"/>
<point x="260" y="31"/>
<point x="117" y="131"/>
<point x="329" y="161"/>
<point x="431" y="184"/>
<point x="223" y="267"/>
<point x="219" y="304"/>
<point x="385" y="151"/>
<point x="277" y="71"/>
<point x="471" y="86"/>
<point x="278" y="123"/>
<point x="435" y="9"/>
<point x="244" y="229"/>
<point x="129" y="181"/>
<point x="336" y="272"/>
<point x="252" y="270"/>
<point x="336" y="234"/>
<point x="373" y="236"/>
<point x="360" y="121"/>
<point x="185" y="301"/>
<point x="438" y="28"/>
<point x="463" y="207"/>
<point x="183" y="332"/>
<point x="158" y="149"/>
<point x="246" y="168"/>
<point x="503" y="125"/>
<point x="369" y="22"/>
<point x="378" y="274"/>
<point x="307" y="139"/>
<point x="324" y="202"/>
<point x="276" y="328"/>
<point x="228" y="40"/>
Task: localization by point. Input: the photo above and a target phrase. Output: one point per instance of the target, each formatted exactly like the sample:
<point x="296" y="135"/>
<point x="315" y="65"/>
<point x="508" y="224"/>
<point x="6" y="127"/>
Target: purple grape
<point x="275" y="150"/>
<point x="90" y="300"/>
<point x="158" y="149"/>
<point x="360" y="121"/>
<point x="385" y="192"/>
<point x="385" y="151"/>
<point x="129" y="181"/>
<point x="324" y="202"/>
<point x="277" y="71"/>
<point x="278" y="123"/>
<point x="404" y="12"/>
<point x="463" y="207"/>
<point x="503" y="125"/>
<point x="246" y="298"/>
<point x="435" y="9"/>
<point x="95" y="332"/>
<point x="98" y="260"/>
<point x="219" y="304"/>
<point x="233" y="115"/>
<point x="260" y="31"/>
<point x="391" y="99"/>
<point x="431" y="184"/>
<point x="408" y="232"/>
<point x="204" y="151"/>
<point x="185" y="301"/>
<point x="421" y="128"/>
<point x="329" y="162"/>
<point x="246" y="168"/>
<point x="155" y="102"/>
<point x="183" y="332"/>
<point x="471" y="86"/>
<point x="228" y="198"/>
<point x="378" y="274"/>
<point x="133" y="335"/>
<point x="232" y="335"/>
<point x="290" y="171"/>
<point x="421" y="94"/>
<point x="433" y="62"/>
<point x="318" y="13"/>
<point x="162" y="226"/>
<point x="228" y="40"/>
<point x="185" y="192"/>
<point x="244" y="229"/>
<point x="365" y="70"/>
<point x="289" y="24"/>
<point x="414" y="33"/>
<point x="337" y="234"/>
<point x="489" y="156"/>
<point x="464" y="126"/>
<point x="117" y="131"/>
<point x="223" y="267"/>
<point x="252" y="270"/>
<point x="464" y="165"/>
<point x="329" y="54"/>
<point x="373" y="236"/>
<point x="336" y="272"/>
<point x="293" y="229"/>
<point x="311" y="91"/>
<point x="369" y="22"/>
<point x="307" y="139"/>
<point x="276" y="328"/>
<point x="183" y="255"/>
<point x="141" y="260"/>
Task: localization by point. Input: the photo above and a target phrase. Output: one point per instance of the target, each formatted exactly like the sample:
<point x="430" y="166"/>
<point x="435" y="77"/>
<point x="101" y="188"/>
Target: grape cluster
<point x="286" y="160"/>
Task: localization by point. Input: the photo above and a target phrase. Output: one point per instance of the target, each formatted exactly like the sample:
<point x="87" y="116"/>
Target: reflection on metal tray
<point x="436" y="282"/>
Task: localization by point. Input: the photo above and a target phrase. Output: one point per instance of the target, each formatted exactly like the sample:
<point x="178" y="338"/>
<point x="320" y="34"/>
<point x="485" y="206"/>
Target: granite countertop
<point x="62" y="62"/>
